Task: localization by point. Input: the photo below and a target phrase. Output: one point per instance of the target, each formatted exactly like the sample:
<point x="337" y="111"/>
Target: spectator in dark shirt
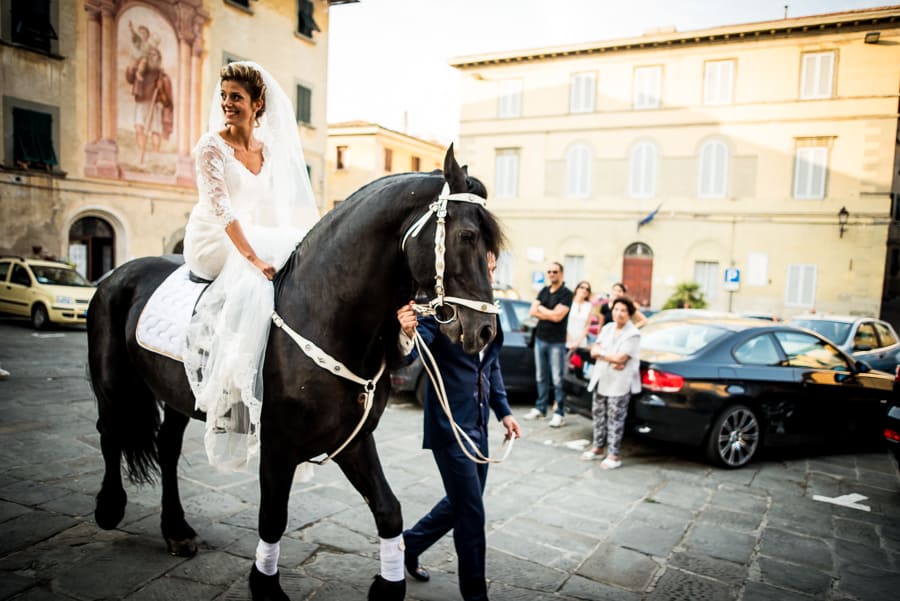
<point x="552" y="311"/>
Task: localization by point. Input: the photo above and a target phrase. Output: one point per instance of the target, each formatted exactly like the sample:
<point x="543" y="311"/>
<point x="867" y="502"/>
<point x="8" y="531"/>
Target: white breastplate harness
<point x="325" y="361"/>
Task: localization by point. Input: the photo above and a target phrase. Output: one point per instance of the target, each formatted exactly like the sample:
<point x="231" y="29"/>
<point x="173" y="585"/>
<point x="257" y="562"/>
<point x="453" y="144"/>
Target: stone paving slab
<point x="664" y="526"/>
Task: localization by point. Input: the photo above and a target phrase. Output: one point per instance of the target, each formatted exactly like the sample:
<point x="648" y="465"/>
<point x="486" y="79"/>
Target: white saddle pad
<point x="163" y="323"/>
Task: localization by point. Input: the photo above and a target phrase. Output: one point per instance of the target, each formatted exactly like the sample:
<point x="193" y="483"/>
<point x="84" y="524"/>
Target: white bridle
<point x="327" y="362"/>
<point x="439" y="209"/>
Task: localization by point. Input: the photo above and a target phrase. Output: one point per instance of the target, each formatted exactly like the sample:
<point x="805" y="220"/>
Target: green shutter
<point x="33" y="138"/>
<point x="304" y="101"/>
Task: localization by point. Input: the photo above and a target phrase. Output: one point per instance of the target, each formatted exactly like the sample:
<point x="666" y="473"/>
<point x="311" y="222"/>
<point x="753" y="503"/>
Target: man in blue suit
<point x="474" y="387"/>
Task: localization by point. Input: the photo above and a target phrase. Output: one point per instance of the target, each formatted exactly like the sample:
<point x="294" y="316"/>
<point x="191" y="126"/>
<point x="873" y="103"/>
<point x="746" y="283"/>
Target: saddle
<point x="162" y="325"/>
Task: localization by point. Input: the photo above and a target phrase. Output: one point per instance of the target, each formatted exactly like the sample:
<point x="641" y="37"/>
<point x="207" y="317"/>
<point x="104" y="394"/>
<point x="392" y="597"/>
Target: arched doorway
<point x="637" y="273"/>
<point x="92" y="247"/>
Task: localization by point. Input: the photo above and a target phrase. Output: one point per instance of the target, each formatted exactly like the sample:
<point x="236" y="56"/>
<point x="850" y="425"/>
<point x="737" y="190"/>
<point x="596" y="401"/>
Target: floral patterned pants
<point x="609" y="421"/>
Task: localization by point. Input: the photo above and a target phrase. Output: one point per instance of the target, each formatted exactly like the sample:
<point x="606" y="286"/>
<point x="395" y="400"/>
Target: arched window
<point x="713" y="176"/>
<point x="642" y="170"/>
<point x="578" y="171"/>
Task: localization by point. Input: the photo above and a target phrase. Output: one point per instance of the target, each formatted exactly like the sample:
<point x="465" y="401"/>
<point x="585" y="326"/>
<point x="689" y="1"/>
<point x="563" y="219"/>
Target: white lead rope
<point x="325" y="361"/>
<point x="430" y="365"/>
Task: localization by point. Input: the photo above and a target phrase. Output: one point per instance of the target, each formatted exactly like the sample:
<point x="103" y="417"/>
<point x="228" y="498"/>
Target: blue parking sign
<point x="732" y="279"/>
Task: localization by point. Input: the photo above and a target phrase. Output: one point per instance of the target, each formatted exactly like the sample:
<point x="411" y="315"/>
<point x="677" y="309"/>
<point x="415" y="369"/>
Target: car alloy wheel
<point x="39" y="317"/>
<point x="734" y="438"/>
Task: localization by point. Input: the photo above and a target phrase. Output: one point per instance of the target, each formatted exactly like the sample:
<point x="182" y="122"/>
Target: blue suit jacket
<point x="474" y="387"/>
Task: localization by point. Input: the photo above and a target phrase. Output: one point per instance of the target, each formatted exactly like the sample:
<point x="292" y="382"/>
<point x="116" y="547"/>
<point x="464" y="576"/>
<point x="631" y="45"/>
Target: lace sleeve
<point x="211" y="179"/>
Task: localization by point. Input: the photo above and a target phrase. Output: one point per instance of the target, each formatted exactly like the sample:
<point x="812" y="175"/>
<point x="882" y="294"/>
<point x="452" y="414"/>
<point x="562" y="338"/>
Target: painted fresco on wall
<point x="146" y="83"/>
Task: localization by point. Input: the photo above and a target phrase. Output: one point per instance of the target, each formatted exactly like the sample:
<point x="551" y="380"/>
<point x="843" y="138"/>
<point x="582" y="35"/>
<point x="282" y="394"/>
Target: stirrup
<point x="197" y="279"/>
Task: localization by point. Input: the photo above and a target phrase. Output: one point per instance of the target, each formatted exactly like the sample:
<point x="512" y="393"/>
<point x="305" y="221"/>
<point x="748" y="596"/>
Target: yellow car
<point x="46" y="291"/>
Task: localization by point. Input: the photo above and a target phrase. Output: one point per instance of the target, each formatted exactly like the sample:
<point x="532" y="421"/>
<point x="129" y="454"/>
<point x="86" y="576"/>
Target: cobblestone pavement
<point x="665" y="526"/>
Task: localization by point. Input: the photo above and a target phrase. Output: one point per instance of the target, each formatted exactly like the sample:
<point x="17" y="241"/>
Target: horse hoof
<point x="186" y="547"/>
<point x="265" y="588"/>
<point x="110" y="508"/>
<point x="385" y="590"/>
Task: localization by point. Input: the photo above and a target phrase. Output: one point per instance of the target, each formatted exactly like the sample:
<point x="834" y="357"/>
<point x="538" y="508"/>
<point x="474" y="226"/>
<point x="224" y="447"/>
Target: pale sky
<point x="390" y="57"/>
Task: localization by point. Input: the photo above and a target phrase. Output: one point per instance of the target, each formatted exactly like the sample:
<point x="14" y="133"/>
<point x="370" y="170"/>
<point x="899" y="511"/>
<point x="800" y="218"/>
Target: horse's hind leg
<point x="180" y="537"/>
<point x="361" y="465"/>
<point x="111" y="499"/>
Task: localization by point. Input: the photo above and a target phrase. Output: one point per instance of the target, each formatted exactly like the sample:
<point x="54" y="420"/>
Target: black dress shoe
<point x="416" y="570"/>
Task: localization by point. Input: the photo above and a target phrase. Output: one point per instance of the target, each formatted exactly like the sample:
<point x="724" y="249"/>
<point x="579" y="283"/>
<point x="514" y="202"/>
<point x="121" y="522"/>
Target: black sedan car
<point x="516" y="356"/>
<point x="734" y="385"/>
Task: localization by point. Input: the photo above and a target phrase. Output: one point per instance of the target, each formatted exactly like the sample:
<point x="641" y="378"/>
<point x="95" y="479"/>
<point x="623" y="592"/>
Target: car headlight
<point x="64" y="300"/>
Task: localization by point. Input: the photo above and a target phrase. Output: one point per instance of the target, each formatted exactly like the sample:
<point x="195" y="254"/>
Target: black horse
<point x="340" y="289"/>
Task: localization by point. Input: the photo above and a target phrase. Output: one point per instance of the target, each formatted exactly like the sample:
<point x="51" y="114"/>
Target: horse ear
<point x="453" y="174"/>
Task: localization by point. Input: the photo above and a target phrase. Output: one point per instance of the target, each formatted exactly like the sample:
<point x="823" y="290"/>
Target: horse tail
<point x="128" y="412"/>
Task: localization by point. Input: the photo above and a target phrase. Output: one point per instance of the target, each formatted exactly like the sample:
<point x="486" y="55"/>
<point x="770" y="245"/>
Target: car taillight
<point x="891" y="435"/>
<point x="575" y="361"/>
<point x="660" y="381"/>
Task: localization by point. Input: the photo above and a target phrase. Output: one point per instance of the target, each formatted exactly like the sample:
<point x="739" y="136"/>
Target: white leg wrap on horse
<point x="267" y="557"/>
<point x="392" y="558"/>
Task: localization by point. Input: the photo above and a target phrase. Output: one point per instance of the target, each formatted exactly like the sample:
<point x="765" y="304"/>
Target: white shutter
<point x="810" y="170"/>
<point x="757" y="269"/>
<point x="507" y="173"/>
<point x="642" y="168"/>
<point x="800" y="289"/>
<point x="646" y="87"/>
<point x="706" y="274"/>
<point x="817" y="75"/>
<point x="718" y="82"/>
<point x="510" y="98"/>
<point x="713" y="177"/>
<point x="582" y="93"/>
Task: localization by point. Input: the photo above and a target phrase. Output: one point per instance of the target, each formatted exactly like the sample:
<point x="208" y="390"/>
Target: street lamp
<point x="843" y="217"/>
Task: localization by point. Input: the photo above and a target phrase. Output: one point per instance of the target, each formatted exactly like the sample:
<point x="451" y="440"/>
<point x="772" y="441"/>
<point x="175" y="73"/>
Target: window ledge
<point x="240" y="7"/>
<point x="52" y="55"/>
<point x="33" y="172"/>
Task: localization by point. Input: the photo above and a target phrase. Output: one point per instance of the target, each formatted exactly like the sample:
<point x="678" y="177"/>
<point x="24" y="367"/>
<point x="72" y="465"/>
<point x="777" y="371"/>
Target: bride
<point x="255" y="205"/>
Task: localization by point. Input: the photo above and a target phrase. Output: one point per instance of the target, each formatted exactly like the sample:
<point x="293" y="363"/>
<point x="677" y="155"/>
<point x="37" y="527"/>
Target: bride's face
<point x="239" y="109"/>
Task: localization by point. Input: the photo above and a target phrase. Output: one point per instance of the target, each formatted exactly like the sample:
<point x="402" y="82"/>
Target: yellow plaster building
<point x="767" y="148"/>
<point x="360" y="152"/>
<point x="96" y="166"/>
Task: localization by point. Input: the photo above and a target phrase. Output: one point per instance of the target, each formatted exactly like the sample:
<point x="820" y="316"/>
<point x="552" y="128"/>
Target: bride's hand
<point x="267" y="269"/>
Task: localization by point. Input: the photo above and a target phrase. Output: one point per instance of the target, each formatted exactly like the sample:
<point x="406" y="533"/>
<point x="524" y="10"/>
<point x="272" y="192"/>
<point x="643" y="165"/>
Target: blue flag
<point x="648" y="217"/>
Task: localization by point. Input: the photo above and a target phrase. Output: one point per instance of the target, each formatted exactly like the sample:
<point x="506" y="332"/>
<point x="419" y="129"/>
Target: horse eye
<point x="467" y="236"/>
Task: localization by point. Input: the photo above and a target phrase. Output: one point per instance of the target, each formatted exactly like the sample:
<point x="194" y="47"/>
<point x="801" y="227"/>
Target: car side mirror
<point x="862" y="367"/>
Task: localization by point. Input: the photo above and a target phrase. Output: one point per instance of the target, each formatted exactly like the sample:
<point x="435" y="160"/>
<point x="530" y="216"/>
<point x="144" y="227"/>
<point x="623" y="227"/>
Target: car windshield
<point x="58" y="276"/>
<point x="679" y="338"/>
<point x="836" y="331"/>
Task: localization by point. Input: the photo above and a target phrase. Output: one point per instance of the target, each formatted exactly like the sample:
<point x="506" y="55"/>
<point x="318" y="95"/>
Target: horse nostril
<point x="486" y="334"/>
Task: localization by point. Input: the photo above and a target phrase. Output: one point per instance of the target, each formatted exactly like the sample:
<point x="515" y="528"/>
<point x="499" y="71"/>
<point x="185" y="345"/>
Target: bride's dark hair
<point x="250" y="79"/>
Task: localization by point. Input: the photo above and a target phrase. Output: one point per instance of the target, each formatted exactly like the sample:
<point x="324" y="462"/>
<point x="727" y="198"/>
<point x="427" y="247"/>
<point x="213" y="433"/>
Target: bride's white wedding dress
<point x="227" y="338"/>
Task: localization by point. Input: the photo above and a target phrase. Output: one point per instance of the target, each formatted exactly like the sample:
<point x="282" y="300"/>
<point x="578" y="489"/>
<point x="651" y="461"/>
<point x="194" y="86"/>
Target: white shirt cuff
<point x="405" y="344"/>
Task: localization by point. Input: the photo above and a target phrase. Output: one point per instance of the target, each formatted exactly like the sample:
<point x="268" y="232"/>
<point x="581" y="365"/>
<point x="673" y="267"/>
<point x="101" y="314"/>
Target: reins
<point x="325" y="361"/>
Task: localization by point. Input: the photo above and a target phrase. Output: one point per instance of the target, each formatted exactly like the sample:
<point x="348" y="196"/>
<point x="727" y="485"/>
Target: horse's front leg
<point x="180" y="537"/>
<point x="276" y="474"/>
<point x="361" y="465"/>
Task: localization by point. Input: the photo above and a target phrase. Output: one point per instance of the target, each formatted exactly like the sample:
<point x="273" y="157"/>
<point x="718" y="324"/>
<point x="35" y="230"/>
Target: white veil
<point x="294" y="202"/>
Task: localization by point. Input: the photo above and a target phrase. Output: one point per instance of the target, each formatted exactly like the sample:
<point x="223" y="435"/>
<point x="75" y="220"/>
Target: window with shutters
<point x="578" y="171"/>
<point x="642" y="170"/>
<point x="34" y="135"/>
<point x="340" y="158"/>
<point x="810" y="172"/>
<point x="415" y="163"/>
<point x="647" y="83"/>
<point x="582" y="93"/>
<point x="388" y="159"/>
<point x="304" y="104"/>
<point x="509" y="103"/>
<point x="817" y="76"/>
<point x="306" y="24"/>
<point x="800" y="289"/>
<point x="713" y="172"/>
<point x="31" y="23"/>
<point x="718" y="82"/>
<point x="507" y="173"/>
<point x="573" y="269"/>
<point x="706" y="274"/>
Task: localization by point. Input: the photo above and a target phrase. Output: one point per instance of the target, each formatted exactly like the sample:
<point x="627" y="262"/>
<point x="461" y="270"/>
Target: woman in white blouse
<point x="579" y="316"/>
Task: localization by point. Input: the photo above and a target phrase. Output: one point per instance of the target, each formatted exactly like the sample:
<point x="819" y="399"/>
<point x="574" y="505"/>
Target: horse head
<point x="451" y="265"/>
